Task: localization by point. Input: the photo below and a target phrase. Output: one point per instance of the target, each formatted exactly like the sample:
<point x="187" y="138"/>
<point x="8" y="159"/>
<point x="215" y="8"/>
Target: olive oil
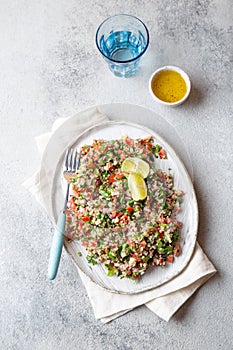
<point x="169" y="86"/>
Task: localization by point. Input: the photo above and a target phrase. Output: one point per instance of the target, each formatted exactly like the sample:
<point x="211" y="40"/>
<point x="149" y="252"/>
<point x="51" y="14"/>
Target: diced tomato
<point x="72" y="204"/>
<point x="84" y="243"/>
<point x="111" y="178"/>
<point x="136" y="277"/>
<point x="85" y="149"/>
<point x="106" y="148"/>
<point x="143" y="244"/>
<point x="76" y="192"/>
<point x="162" y="154"/>
<point x="129" y="141"/>
<point x="161" y="220"/>
<point x="114" y="213"/>
<point x="110" y="166"/>
<point x="170" y="259"/>
<point x="129" y="209"/>
<point x="86" y="218"/>
<point x="135" y="256"/>
<point x="161" y="235"/>
<point x="161" y="261"/>
<point x="130" y="242"/>
<point x="124" y="218"/>
<point x="119" y="175"/>
<point x="146" y="140"/>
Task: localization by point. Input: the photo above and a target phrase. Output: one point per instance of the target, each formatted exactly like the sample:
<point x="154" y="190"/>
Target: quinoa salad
<point x="125" y="235"/>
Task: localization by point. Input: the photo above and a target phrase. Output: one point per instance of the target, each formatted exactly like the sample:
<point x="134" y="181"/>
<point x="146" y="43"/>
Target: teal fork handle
<point x="56" y="248"/>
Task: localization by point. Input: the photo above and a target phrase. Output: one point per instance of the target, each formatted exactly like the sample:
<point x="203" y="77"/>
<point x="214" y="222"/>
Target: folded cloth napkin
<point x="163" y="300"/>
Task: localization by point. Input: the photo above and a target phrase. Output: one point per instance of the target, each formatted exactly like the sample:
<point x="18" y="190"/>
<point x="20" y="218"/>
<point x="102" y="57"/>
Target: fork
<point x="71" y="166"/>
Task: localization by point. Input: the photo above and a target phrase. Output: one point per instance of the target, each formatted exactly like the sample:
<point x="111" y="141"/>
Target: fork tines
<point x="71" y="162"/>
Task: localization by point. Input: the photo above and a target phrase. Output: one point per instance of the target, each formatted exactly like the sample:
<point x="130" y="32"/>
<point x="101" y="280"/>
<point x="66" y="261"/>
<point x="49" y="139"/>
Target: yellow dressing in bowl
<point x="169" y="86"/>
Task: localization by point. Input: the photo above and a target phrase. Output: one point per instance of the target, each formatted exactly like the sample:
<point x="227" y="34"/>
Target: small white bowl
<point x="184" y="76"/>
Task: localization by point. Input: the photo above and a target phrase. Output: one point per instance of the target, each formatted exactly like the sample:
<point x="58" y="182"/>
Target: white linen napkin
<point x="164" y="300"/>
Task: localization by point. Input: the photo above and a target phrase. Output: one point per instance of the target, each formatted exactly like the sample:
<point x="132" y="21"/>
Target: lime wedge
<point x="135" y="166"/>
<point x="137" y="187"/>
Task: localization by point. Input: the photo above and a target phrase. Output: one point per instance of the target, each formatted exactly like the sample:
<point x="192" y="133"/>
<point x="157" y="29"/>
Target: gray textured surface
<point x="50" y="68"/>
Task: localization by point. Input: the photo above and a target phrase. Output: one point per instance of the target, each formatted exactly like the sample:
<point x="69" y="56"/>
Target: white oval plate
<point x="154" y="276"/>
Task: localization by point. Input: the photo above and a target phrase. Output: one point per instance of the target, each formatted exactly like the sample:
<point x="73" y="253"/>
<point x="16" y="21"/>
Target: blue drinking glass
<point x="122" y="40"/>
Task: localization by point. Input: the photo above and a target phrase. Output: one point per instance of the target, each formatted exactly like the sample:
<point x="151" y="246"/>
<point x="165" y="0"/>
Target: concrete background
<point x="49" y="68"/>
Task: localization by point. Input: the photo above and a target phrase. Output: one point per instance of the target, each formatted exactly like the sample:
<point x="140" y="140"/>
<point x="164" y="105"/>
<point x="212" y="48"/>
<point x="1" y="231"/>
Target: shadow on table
<point x="197" y="95"/>
<point x="204" y="223"/>
<point x="204" y="218"/>
<point x="192" y="302"/>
